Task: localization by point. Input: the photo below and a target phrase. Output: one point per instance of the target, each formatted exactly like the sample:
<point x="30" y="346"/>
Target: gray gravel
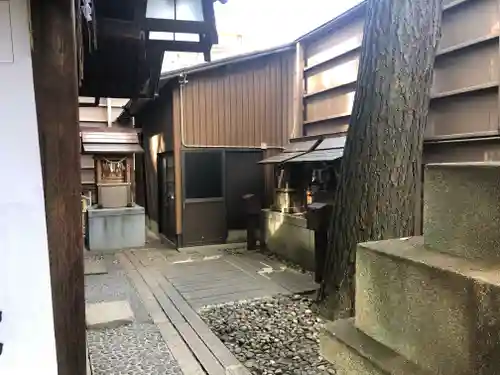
<point x="277" y="335"/>
<point x="132" y="349"/>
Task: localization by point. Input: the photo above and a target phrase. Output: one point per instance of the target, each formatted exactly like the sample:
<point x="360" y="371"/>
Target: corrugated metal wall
<point x="465" y="100"/>
<point x="245" y="104"/>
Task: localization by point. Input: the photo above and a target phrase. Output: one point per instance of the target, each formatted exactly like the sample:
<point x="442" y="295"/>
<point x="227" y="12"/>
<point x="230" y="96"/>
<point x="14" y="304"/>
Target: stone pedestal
<point x="430" y="305"/>
<point x="115" y="228"/>
<point x="287" y="235"/>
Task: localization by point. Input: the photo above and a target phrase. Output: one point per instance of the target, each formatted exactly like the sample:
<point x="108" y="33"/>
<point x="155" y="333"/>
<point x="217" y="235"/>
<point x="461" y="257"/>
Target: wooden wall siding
<point x="341" y="72"/>
<point x="468" y="65"/>
<point x="330" y="75"/>
<point x="457" y="152"/>
<point x="465" y="90"/>
<point x="242" y="105"/>
<point x="460" y="27"/>
<point x="335" y="44"/>
<point x="464" y="115"/>
<point x="324" y="106"/>
<point x="336" y="126"/>
<point x="473" y="67"/>
<point x="87" y="161"/>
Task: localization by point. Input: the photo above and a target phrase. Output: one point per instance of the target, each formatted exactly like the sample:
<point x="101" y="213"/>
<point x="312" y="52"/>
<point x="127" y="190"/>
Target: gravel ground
<point x="277" y="335"/>
<point x="131" y="349"/>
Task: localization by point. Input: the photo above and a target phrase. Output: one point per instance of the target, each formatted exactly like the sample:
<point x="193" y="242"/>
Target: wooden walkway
<point x="174" y="288"/>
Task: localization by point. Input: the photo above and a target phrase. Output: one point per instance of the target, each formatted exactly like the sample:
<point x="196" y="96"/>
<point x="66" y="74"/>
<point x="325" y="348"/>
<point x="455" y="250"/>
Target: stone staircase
<point x="430" y="305"/>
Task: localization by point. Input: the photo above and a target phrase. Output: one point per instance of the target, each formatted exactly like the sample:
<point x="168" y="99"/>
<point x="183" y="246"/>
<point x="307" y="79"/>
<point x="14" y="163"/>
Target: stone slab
<point x="437" y="310"/>
<point x="461" y="210"/>
<point x="294" y="282"/>
<point x="108" y="314"/>
<point x="354" y="353"/>
<point x="93" y="267"/>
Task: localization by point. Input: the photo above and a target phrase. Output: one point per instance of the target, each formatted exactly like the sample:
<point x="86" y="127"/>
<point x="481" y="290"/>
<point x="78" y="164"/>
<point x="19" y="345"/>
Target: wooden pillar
<point x="298" y="92"/>
<point x="56" y="95"/>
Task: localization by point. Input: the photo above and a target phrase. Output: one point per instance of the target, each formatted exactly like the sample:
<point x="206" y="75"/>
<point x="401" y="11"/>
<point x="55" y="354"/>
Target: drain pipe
<point x="182" y="82"/>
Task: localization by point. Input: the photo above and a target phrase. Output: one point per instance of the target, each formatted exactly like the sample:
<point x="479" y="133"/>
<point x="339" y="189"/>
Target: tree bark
<point x="381" y="167"/>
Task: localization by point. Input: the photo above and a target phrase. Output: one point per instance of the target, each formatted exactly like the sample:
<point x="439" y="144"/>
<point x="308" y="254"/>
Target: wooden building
<point x="286" y="97"/>
<point x="203" y="138"/>
<point x="464" y="114"/>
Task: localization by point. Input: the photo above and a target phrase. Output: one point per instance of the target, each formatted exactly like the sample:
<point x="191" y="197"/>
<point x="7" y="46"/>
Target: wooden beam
<point x="171" y="45"/>
<point x="209" y="17"/>
<point x="155" y="61"/>
<point x="56" y="95"/>
<point x="176" y="26"/>
<point x="114" y="28"/>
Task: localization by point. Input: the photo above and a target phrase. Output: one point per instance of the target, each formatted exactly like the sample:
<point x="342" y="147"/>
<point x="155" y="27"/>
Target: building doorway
<point x="166" y="196"/>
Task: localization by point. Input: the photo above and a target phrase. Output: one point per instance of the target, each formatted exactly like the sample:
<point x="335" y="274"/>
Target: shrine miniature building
<point x="114" y="186"/>
<point x="115" y="221"/>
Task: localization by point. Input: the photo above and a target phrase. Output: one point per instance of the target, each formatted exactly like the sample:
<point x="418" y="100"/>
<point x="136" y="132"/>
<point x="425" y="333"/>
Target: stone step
<point x="462" y="210"/>
<point x="439" y="311"/>
<point x="112" y="314"/>
<point x="352" y="352"/>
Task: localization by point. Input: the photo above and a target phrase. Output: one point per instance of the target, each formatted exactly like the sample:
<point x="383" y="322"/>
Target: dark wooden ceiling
<point x="119" y="59"/>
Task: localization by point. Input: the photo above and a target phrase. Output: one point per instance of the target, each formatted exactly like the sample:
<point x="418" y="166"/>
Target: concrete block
<point x="439" y="311"/>
<point x="108" y="314"/>
<point x="93" y="267"/>
<point x="115" y="228"/>
<point x="287" y="235"/>
<point x="354" y="353"/>
<point x="462" y="210"/>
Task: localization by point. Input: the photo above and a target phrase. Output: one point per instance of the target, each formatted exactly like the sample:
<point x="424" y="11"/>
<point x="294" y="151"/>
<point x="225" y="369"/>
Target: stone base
<point x="354" y="353"/>
<point x="437" y="310"/>
<point x="115" y="228"/>
<point x="461" y="210"/>
<point x="287" y="236"/>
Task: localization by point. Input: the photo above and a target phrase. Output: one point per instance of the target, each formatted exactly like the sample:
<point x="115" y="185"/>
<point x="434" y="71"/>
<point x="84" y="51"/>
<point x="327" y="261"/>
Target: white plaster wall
<point x="27" y="329"/>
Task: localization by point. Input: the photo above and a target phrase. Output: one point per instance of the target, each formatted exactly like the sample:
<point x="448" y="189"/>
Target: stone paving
<point x="131" y="349"/>
<point x="165" y="289"/>
<point x="136" y="349"/>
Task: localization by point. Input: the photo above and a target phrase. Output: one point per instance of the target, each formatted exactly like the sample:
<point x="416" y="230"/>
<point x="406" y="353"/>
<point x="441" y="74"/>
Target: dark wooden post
<point x="253" y="218"/>
<point x="318" y="218"/>
<point x="56" y="95"/>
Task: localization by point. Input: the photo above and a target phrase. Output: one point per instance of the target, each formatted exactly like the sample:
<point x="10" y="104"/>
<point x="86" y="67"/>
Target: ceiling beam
<point x="177" y="26"/>
<point x="114" y="28"/>
<point x="177" y="46"/>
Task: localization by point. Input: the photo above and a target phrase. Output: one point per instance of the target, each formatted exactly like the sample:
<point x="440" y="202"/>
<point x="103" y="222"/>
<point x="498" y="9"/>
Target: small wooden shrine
<point x="113" y="154"/>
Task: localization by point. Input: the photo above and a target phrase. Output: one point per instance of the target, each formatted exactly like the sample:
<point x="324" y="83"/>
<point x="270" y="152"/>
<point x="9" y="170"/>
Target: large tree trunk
<point x="381" y="168"/>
